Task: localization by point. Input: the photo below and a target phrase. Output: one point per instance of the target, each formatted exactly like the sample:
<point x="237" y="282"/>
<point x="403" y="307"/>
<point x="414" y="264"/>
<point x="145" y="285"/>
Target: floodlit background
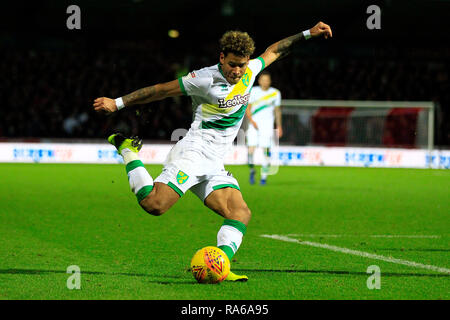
<point x="50" y="75"/>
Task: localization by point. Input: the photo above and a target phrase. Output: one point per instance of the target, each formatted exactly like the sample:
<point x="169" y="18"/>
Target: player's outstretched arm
<point x="145" y="95"/>
<point x="283" y="47"/>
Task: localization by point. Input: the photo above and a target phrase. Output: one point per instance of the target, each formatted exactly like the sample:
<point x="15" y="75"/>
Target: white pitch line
<point x="418" y="236"/>
<point x="410" y="236"/>
<point x="358" y="253"/>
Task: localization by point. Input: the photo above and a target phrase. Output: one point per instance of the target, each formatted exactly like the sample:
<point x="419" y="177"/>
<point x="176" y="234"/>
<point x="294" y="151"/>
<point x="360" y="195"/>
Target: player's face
<point x="233" y="66"/>
<point x="264" y="81"/>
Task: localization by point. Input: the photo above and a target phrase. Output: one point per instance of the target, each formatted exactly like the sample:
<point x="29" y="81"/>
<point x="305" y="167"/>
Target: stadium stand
<point x="53" y="90"/>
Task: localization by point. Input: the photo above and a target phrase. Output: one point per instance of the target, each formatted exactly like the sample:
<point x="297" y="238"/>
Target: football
<point x="210" y="265"/>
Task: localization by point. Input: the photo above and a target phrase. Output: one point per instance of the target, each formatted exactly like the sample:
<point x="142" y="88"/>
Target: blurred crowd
<point x="49" y="93"/>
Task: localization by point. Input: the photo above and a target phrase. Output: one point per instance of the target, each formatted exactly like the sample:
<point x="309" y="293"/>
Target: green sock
<point x="141" y="183"/>
<point x="229" y="237"/>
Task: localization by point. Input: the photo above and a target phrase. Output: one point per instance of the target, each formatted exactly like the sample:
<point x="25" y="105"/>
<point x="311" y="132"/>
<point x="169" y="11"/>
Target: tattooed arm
<point x="283" y="47"/>
<point x="145" y="95"/>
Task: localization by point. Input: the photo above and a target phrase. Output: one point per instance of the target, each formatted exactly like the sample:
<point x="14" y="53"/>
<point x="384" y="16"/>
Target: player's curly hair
<point x="237" y="42"/>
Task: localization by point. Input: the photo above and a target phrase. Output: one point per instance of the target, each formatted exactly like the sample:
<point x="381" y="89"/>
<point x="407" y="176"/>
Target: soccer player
<point x="264" y="104"/>
<point x="220" y="94"/>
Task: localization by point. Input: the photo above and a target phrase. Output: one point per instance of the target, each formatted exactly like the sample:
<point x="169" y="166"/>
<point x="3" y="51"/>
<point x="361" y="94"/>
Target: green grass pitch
<point x="55" y="215"/>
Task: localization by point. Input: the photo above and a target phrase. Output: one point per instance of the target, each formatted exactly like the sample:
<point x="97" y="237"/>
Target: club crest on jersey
<point x="182" y="177"/>
<point x="246" y="79"/>
<point x="237" y="100"/>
